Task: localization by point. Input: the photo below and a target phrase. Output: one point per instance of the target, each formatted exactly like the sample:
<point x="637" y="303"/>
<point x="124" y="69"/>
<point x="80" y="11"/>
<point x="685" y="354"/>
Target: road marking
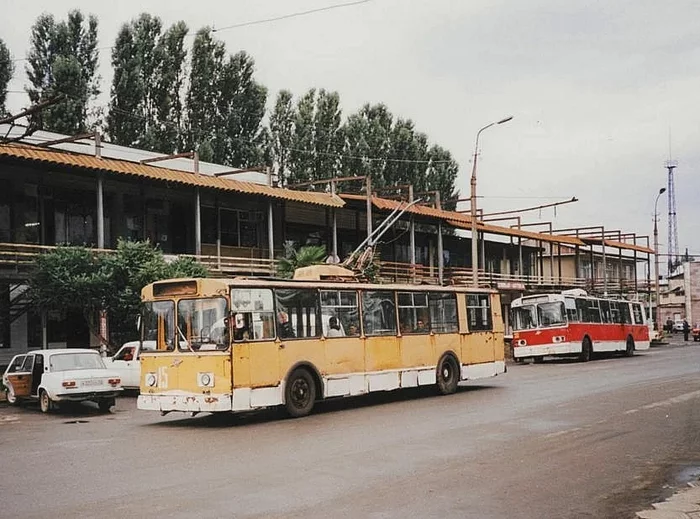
<point x="9" y="419"/>
<point x="668" y="402"/>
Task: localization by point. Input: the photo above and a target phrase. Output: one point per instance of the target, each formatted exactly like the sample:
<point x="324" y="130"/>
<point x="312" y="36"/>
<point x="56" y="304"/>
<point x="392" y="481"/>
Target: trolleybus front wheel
<point x="447" y="375"/>
<point x="299" y="393"/>
<point x="586" y="350"/>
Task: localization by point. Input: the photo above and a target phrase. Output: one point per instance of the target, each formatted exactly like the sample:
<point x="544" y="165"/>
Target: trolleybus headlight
<point x="206" y="379"/>
<point x="151" y="379"/>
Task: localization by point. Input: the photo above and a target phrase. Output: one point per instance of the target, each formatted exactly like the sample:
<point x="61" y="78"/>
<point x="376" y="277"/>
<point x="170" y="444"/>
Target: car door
<point x="21" y="377"/>
<point x="126" y="363"/>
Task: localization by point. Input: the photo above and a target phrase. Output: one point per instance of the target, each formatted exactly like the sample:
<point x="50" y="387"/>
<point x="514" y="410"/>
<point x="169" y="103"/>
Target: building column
<point x="197" y="223"/>
<point x="369" y="207"/>
<point x="270" y="232"/>
<point x="441" y="258"/>
<point x="100" y="213"/>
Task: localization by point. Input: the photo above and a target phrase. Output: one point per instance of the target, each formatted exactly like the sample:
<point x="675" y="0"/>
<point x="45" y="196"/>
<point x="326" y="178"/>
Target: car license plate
<point x="92" y="382"/>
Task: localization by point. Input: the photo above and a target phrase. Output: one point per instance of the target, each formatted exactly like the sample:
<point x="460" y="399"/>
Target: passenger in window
<point x="352" y="330"/>
<point x="284" y="326"/>
<point x="129" y="354"/>
<point x="241" y="331"/>
<point x="334" y="327"/>
<point x="420" y="327"/>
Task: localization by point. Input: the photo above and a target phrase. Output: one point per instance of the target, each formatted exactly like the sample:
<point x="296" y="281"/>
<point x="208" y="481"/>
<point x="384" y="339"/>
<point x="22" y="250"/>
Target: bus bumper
<point x="562" y="348"/>
<point x="186" y="402"/>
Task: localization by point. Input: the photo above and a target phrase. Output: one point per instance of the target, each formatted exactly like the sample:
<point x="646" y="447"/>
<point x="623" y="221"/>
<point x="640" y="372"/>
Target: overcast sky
<point x="595" y="87"/>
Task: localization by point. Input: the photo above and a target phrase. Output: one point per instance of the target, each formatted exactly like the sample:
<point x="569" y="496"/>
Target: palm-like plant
<point x="303" y="257"/>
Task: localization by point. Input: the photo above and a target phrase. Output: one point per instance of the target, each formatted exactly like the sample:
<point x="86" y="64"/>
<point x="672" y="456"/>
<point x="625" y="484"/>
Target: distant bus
<point x="243" y="344"/>
<point x="573" y="323"/>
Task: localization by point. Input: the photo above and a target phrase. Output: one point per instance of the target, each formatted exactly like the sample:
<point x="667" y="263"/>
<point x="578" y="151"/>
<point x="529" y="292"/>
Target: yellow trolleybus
<point x="225" y="345"/>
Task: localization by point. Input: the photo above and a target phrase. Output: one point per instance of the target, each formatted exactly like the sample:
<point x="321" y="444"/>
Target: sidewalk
<point x="684" y="504"/>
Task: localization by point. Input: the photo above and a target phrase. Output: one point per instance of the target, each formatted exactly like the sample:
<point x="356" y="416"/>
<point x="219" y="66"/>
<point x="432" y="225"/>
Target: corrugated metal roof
<point x="510" y="231"/>
<point x="123" y="167"/>
<point x="463" y="221"/>
<point x="618" y="245"/>
<point x="386" y="204"/>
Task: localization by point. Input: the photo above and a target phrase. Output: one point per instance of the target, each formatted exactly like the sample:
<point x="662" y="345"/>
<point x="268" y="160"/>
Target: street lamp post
<point x="656" y="257"/>
<point x="475" y="245"/>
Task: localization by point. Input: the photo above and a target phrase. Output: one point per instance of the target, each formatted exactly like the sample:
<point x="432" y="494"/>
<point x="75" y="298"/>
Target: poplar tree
<point x="7" y="69"/>
<point x="145" y="103"/>
<point x="225" y="105"/>
<point x="62" y="61"/>
<point x="281" y="134"/>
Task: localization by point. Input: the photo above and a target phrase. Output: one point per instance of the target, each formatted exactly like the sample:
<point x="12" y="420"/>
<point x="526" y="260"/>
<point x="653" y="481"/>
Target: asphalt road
<point x="559" y="440"/>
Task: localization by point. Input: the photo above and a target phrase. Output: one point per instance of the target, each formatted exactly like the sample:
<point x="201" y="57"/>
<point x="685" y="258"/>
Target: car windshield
<point x="71" y="361"/>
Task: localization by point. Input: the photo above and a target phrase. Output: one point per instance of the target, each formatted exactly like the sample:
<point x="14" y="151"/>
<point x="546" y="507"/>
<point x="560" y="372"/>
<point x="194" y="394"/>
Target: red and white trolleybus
<point x="573" y="323"/>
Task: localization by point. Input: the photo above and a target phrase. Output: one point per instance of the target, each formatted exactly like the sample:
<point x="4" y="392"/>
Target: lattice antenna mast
<point x="673" y="250"/>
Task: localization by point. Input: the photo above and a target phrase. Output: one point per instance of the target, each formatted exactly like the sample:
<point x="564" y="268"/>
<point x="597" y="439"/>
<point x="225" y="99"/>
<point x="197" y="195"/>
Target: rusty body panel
<point x="21" y="383"/>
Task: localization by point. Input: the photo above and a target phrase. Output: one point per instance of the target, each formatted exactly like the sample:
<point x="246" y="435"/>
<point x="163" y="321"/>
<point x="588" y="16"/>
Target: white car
<point x="54" y="376"/>
<point x="126" y="362"/>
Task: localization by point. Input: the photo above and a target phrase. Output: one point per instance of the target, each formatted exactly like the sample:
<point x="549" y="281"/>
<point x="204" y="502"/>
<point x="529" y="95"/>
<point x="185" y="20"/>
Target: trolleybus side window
<point x="253" y="314"/>
<point x="605" y="311"/>
<point x="625" y="315"/>
<point x="551" y="314"/>
<point x="443" y="312"/>
<point x="572" y="313"/>
<point x="615" y="313"/>
<point x="582" y="310"/>
<point x="159" y="324"/>
<point x="297" y="313"/>
<point x="479" y="312"/>
<point x="593" y="311"/>
<point x="378" y="313"/>
<point x="339" y="313"/>
<point x="414" y="314"/>
<point x="638" y="315"/>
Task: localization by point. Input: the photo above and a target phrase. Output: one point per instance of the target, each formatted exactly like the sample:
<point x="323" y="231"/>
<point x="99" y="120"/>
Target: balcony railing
<point x="18" y="258"/>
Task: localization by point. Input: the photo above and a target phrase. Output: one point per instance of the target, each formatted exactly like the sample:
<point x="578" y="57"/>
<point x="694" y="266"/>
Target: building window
<point x="238" y="228"/>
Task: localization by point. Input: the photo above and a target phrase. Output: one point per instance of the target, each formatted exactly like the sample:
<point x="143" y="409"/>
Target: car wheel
<point x="10" y="396"/>
<point x="447" y="375"/>
<point x="299" y="393"/>
<point x="105" y="404"/>
<point x="45" y="402"/>
<point x="586" y="350"/>
<point x="629" y="347"/>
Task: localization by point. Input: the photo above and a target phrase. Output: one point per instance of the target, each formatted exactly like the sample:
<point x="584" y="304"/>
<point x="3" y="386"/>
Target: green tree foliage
<point x="62" y="60"/>
<point x="7" y="69"/>
<point x="303" y="257"/>
<point x="149" y="70"/>
<point x="441" y="175"/>
<point x="225" y="105"/>
<point x="281" y="134"/>
<point x="80" y="279"/>
<point x="317" y="142"/>
<point x="367" y="134"/>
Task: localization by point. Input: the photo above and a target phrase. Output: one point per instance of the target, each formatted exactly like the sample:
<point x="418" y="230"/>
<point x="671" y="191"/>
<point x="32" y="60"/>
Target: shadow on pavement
<point x="321" y="408"/>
